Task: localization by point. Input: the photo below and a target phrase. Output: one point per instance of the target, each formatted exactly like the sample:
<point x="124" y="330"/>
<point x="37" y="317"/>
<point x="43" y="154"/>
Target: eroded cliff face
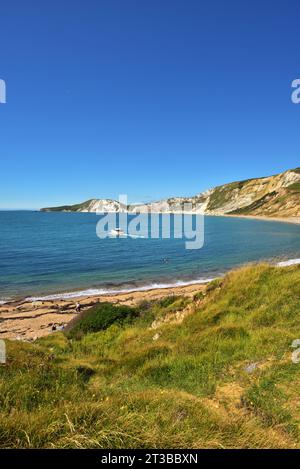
<point x="92" y="205"/>
<point x="274" y="196"/>
<point x="277" y="195"/>
<point x="103" y="205"/>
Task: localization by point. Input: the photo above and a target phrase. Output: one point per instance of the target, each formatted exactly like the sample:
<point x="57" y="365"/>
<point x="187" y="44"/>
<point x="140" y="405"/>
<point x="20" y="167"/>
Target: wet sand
<point x="31" y="320"/>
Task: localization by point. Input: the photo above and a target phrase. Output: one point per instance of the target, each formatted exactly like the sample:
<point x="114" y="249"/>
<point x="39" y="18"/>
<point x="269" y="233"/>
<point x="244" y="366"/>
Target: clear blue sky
<point x="149" y="98"/>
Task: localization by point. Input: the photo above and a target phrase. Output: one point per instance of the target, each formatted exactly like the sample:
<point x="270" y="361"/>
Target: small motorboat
<point x="117" y="232"/>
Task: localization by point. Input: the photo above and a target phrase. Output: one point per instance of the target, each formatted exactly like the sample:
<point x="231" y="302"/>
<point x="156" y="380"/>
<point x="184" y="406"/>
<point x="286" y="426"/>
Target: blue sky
<point x="149" y="98"/>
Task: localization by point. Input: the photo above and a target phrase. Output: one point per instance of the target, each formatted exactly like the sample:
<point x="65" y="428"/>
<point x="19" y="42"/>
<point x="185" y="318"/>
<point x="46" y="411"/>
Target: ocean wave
<point x="289" y="262"/>
<point x="107" y="291"/>
<point x="152" y="286"/>
<point x="3" y="301"/>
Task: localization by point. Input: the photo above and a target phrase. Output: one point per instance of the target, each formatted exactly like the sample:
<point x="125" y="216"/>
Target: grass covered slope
<point x="100" y="317"/>
<point x="273" y="196"/>
<point x="215" y="372"/>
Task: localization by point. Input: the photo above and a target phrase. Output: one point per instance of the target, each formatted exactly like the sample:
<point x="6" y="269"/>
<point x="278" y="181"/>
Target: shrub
<point x="100" y="317"/>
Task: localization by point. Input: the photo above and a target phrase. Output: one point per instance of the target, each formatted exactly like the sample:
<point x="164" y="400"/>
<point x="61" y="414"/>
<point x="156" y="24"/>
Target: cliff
<point x="274" y="196"/>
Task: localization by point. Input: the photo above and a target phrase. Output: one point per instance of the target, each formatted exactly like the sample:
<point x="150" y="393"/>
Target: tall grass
<point x="221" y="377"/>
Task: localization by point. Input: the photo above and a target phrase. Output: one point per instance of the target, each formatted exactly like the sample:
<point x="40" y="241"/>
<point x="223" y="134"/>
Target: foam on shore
<point x="289" y="262"/>
<point x="4" y="300"/>
<point x="153" y="286"/>
<point x="106" y="291"/>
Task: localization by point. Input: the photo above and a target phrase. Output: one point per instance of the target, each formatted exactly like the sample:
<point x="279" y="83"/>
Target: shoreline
<point x="100" y="292"/>
<point x="28" y="321"/>
<point x="292" y="220"/>
<point x="32" y="317"/>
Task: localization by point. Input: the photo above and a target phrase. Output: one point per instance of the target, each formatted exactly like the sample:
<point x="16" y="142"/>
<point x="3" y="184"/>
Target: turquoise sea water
<point x="53" y="253"/>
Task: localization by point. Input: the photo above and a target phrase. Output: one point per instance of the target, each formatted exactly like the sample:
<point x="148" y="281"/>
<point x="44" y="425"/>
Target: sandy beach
<point x="31" y="320"/>
<point x="294" y="220"/>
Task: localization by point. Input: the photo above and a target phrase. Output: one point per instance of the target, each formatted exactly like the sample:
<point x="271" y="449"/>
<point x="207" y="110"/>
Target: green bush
<point x="99" y="318"/>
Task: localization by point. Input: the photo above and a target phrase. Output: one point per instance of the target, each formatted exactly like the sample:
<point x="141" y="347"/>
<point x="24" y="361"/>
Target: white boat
<point x="117" y="232"/>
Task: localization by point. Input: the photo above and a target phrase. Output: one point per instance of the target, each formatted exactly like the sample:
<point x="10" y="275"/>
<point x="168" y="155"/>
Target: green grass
<point x="294" y="187"/>
<point x="223" y="194"/>
<point x="112" y="382"/>
<point x="257" y="204"/>
<point x="72" y="208"/>
<point x="100" y="317"/>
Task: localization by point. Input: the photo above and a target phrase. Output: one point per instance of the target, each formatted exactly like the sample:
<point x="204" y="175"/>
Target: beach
<point x="293" y="220"/>
<point x="91" y="270"/>
<point x="27" y="321"/>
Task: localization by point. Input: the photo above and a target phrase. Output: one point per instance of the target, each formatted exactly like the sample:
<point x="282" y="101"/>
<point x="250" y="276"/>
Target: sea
<point x="51" y="255"/>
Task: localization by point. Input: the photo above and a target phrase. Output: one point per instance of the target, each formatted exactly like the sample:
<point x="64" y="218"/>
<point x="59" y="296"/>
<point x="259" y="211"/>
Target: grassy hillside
<point x="274" y="196"/>
<point x="213" y="372"/>
<point x="68" y="208"/>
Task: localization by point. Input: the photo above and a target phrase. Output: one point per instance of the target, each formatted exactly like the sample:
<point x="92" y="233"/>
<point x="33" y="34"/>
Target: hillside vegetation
<point x="273" y="196"/>
<point x="212" y="372"/>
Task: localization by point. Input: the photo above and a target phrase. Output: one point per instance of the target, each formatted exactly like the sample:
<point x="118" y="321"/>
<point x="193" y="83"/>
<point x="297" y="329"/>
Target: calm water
<point x="50" y="253"/>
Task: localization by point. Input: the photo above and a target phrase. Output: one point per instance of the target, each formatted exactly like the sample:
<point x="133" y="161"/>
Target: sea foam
<point x="289" y="262"/>
<point x="106" y="291"/>
<point x="152" y="286"/>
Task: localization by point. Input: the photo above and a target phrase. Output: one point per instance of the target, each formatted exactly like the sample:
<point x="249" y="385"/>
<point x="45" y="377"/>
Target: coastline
<point x="32" y="317"/>
<point x="293" y="220"/>
<point x="27" y="321"/>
